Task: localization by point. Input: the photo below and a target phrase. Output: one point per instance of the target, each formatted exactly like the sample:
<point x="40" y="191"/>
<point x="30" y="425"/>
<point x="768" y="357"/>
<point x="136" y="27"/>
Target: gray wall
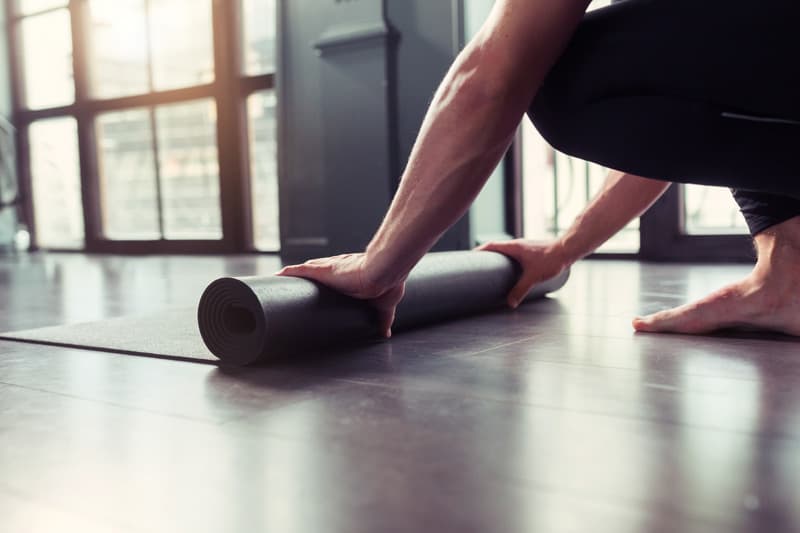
<point x="431" y="34"/>
<point x="429" y="38"/>
<point x="424" y="50"/>
<point x="336" y="153"/>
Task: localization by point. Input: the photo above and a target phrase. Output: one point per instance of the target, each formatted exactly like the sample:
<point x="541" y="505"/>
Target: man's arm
<point x="468" y="128"/>
<point x="466" y="131"/>
<point x="622" y="198"/>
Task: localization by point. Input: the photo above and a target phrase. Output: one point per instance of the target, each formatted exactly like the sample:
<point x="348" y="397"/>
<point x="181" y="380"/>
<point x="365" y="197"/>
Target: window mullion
<point x="87" y="150"/>
<point x="148" y="24"/>
<point x="157" y="174"/>
<point x="231" y="136"/>
<point x="18" y="102"/>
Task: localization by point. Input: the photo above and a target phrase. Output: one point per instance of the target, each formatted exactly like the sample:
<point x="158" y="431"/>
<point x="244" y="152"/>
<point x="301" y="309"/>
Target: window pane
<point x="556" y="188"/>
<point x="47" y="60"/>
<point x="55" y="174"/>
<point x="26" y="7"/>
<point x="710" y="211"/>
<point x="187" y="143"/>
<point x="127" y="175"/>
<point x="258" y="35"/>
<point x="181" y="43"/>
<point x="264" y="170"/>
<point x="118" y="51"/>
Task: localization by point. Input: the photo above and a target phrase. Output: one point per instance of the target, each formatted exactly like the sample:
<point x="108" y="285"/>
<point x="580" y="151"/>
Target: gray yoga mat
<point x="250" y="320"/>
<point x="170" y="334"/>
<point x="243" y="321"/>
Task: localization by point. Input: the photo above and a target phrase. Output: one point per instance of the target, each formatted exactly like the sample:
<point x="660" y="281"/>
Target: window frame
<point x="662" y="233"/>
<point x="664" y="238"/>
<point x="230" y="91"/>
<point x="661" y="229"/>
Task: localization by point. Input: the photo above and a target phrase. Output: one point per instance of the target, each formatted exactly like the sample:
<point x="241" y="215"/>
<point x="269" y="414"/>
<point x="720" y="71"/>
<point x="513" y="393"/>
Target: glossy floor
<point x="553" y="418"/>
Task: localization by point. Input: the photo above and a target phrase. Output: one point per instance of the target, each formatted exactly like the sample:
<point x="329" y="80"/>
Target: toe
<point x="716" y="311"/>
<point x="680" y="320"/>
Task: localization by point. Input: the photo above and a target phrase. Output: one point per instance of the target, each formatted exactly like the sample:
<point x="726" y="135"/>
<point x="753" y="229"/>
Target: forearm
<point x="468" y="128"/>
<point x="462" y="139"/>
<point x="623" y="198"/>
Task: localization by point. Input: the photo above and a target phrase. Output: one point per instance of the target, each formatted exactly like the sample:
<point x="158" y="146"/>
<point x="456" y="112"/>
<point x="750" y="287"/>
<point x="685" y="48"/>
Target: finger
<point x="385" y="321"/>
<point x="494" y="247"/>
<point x="386" y="306"/>
<point x="321" y="274"/>
<point x="286" y="270"/>
<point x="319" y="262"/>
<point x="386" y="314"/>
<point x="293" y="270"/>
<point x="521" y="290"/>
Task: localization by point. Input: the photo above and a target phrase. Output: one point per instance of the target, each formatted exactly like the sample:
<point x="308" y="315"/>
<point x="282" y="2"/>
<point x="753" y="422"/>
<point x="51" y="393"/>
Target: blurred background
<point x="153" y="126"/>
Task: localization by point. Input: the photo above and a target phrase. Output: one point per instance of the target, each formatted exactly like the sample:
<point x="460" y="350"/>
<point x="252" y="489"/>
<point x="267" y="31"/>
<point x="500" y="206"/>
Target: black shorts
<point x="689" y="91"/>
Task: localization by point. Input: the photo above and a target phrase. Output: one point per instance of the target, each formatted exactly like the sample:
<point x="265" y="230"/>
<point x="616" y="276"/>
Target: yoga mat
<point x="249" y="320"/>
<point x="169" y="334"/>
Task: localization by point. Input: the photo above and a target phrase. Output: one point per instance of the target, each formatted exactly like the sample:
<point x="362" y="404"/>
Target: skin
<point x="467" y="130"/>
<point x="469" y="126"/>
<point x="768" y="299"/>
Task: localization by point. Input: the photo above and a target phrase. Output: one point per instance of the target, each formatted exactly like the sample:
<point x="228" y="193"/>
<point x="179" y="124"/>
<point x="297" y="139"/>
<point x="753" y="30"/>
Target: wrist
<point x="564" y="253"/>
<point x="376" y="277"/>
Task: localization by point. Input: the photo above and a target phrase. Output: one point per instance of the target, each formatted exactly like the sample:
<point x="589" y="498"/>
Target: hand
<point x="346" y="274"/>
<point x="539" y="262"/>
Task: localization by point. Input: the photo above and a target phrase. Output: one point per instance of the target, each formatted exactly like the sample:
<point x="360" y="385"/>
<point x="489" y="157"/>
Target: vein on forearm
<point x="469" y="126"/>
<point x="463" y="138"/>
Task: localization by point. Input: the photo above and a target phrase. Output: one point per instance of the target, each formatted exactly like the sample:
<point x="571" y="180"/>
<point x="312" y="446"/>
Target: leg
<point x="687" y="92"/>
<point x="768" y="299"/>
<point x="763" y="210"/>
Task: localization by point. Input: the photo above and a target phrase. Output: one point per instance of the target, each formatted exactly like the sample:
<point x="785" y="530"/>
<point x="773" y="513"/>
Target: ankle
<point x="779" y="246"/>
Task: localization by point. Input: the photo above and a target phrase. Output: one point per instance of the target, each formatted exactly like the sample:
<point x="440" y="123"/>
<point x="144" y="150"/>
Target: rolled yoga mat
<point x="248" y="320"/>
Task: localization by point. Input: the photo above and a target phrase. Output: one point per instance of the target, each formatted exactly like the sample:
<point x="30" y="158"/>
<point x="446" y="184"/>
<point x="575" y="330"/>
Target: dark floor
<point x="554" y="418"/>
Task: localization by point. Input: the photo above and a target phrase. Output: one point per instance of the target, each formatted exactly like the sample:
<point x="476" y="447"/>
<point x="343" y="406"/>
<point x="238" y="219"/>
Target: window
<point x="56" y="187"/>
<point x="181" y="47"/>
<point x="187" y="163"/>
<point x="556" y="188"/>
<point x="258" y="57"/>
<point x="134" y="129"/>
<point x="689" y="223"/>
<point x="139" y="46"/>
<point x="711" y="211"/>
<point x="160" y="182"/>
<point x="264" y="169"/>
<point x="258" y="37"/>
<point x="128" y="175"/>
<point x="119" y="49"/>
<point x="47" y="65"/>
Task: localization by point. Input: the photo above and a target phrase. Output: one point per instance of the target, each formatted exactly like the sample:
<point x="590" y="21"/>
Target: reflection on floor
<point x="553" y="418"/>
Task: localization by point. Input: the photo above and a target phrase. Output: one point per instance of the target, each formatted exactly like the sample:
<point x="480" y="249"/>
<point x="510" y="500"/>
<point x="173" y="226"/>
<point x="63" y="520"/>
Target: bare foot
<point x="768" y="299"/>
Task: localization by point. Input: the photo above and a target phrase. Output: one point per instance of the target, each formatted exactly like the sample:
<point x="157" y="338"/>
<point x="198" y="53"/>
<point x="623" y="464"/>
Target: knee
<point x="555" y="119"/>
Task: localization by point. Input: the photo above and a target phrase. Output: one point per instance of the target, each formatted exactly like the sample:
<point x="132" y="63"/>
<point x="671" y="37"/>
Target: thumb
<point x="385" y="321"/>
<point x="386" y="306"/>
<point x="493" y="247"/>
